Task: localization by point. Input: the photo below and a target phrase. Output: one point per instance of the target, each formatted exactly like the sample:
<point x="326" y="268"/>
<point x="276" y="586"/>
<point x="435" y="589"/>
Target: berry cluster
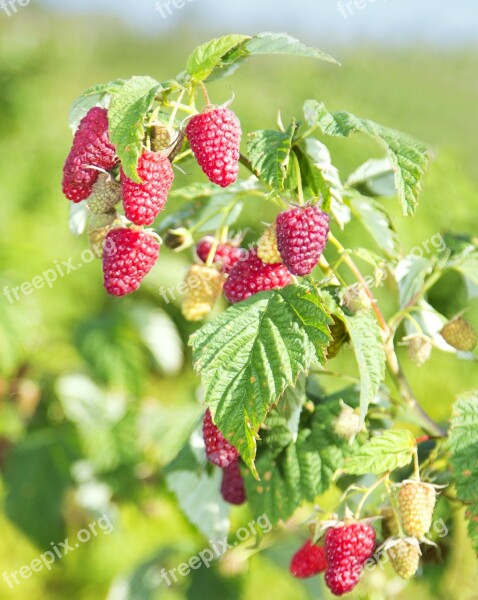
<point x="221" y="453"/>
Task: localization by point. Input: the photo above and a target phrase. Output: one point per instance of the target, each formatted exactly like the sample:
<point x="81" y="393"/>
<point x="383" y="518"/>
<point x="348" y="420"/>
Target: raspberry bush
<point x="284" y="309"/>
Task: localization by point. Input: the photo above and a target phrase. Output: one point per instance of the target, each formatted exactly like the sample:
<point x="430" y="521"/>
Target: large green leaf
<point x="204" y="59"/>
<point x="282" y="43"/>
<point x="269" y="152"/>
<point x="366" y="339"/>
<point x="37" y="476"/>
<point x="409" y="157"/>
<point x="301" y="470"/>
<point x="220" y="57"/>
<point x="463" y="445"/>
<point x="250" y="353"/>
<point x="391" y="450"/>
<point x="126" y="114"/>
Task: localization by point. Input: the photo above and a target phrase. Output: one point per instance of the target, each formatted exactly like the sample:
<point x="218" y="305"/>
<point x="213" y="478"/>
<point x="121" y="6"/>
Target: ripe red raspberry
<point x="128" y="257"/>
<point x="355" y="540"/>
<point x="301" y="237"/>
<point x="343" y="577"/>
<point x="218" y="450"/>
<point x="232" y="485"/>
<point x="308" y="561"/>
<point x="91" y="148"/>
<point x="215" y="138"/>
<point x="227" y="255"/>
<point x="347" y="548"/>
<point x="143" y="201"/>
<point x="251" y="276"/>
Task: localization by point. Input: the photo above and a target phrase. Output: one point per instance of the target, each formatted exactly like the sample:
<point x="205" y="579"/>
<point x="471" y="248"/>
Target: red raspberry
<point x="91" y="148"/>
<point x="232" y="485"/>
<point x="218" y="450"/>
<point x="143" y="201"/>
<point x="308" y="561"/>
<point x="356" y="540"/>
<point x="128" y="257"/>
<point x="226" y="254"/>
<point x="347" y="548"/>
<point x="343" y="577"/>
<point x="215" y="138"/>
<point x="301" y="237"/>
<point x="251" y="276"/>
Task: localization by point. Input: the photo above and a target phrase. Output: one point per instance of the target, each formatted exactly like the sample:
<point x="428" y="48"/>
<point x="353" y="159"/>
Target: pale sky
<point x="439" y="22"/>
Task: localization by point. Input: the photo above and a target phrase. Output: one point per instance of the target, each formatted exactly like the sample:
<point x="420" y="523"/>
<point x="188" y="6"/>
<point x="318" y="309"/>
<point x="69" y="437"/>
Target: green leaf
<point x="98" y="95"/>
<point x="301" y="471"/>
<point x="376" y="221"/>
<point x="291" y="403"/>
<point x="366" y="339"/>
<point x="38" y="475"/>
<point x="126" y="115"/>
<point x="374" y="178"/>
<point x="409" y="157"/>
<point x="327" y="174"/>
<point x="250" y="353"/>
<point x="204" y="59"/>
<point x="269" y="153"/>
<point x="221" y="57"/>
<point x="463" y="446"/>
<point x="386" y="452"/>
<point x="283" y="43"/>
<point x="323" y="180"/>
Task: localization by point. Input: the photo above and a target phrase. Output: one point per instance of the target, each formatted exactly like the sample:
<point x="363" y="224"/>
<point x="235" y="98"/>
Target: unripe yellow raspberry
<point x="267" y="246"/>
<point x="203" y="288"/>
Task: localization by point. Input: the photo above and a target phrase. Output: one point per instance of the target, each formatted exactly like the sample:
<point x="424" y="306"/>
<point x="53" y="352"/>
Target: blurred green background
<point x="97" y="393"/>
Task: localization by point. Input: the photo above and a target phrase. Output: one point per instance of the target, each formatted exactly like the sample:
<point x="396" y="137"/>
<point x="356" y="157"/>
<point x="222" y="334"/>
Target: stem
<point x="306" y="134"/>
<point x="300" y="191"/>
<point x="182" y="107"/>
<point x="246" y="162"/>
<point x="327" y="271"/>
<point x="416" y="466"/>
<point x="371" y="489"/>
<point x="204" y="93"/>
<point x="174" y="112"/>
